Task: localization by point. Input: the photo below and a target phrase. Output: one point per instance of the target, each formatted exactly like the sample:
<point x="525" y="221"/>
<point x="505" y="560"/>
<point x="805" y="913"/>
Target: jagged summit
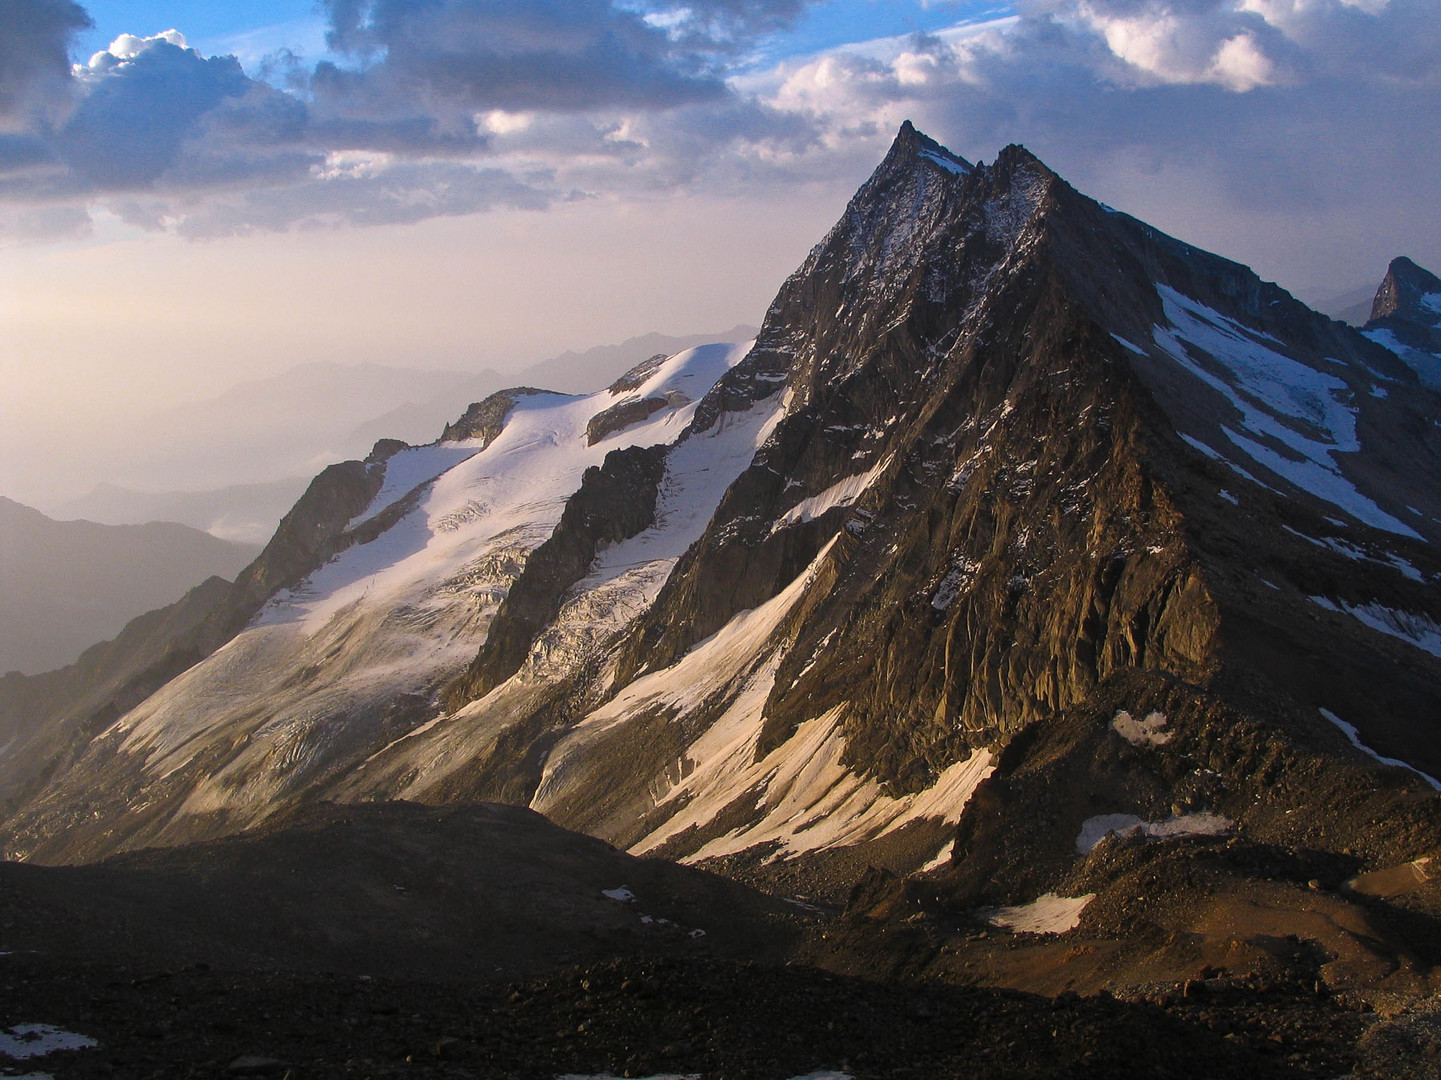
<point x="910" y="144"/>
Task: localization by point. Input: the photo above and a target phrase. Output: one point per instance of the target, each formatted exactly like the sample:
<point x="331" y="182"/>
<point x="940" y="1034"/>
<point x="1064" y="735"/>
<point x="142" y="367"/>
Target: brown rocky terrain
<point x="395" y="940"/>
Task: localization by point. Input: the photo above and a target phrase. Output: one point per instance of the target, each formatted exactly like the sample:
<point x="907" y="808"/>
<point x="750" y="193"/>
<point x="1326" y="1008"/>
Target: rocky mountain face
<point x="1030" y="567"/>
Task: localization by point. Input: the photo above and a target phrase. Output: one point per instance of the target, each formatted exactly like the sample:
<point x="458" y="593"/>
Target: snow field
<point x="1280" y="401"/>
<point x="408" y="610"/>
<point x="623" y="581"/>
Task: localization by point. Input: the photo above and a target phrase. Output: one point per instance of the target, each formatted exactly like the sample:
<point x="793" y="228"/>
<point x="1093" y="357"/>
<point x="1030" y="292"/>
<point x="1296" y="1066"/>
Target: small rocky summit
<point x="1407" y="291"/>
<point x="1406" y="318"/>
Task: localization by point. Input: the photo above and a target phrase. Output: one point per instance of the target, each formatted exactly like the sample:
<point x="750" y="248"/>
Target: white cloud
<point x="1240" y="65"/>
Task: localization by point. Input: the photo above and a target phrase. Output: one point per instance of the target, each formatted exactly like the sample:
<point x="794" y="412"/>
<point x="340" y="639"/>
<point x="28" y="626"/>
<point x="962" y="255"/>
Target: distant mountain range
<point x="244" y="513"/>
<point x="233" y="464"/>
<point x="65" y="585"/>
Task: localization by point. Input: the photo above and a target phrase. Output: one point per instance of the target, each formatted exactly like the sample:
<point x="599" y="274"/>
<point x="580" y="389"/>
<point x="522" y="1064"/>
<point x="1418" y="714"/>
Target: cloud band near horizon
<point x="1308" y="109"/>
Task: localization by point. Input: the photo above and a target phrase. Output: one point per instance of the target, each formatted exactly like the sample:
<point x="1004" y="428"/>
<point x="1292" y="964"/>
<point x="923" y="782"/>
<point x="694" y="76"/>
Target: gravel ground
<point x="640" y="1018"/>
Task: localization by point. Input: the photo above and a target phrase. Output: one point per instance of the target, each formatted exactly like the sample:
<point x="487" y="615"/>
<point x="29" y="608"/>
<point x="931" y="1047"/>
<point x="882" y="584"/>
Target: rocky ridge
<point x="1019" y="524"/>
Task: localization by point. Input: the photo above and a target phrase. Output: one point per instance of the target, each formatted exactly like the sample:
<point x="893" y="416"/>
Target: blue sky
<point x="206" y="25"/>
<point x="261" y="26"/>
<point x="488" y="182"/>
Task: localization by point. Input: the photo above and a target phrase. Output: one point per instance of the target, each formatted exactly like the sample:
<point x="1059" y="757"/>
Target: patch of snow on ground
<point x="1413" y="628"/>
<point x="621" y="895"/>
<point x="943" y="857"/>
<point x="1094" y="830"/>
<point x="1279" y="399"/>
<point x="956" y="579"/>
<point x="1130" y="345"/>
<point x="1147" y="732"/>
<point x="408" y="469"/>
<point x="949" y="164"/>
<point x="1047" y="914"/>
<point x="1355" y="737"/>
<point x="842" y="493"/>
<point x="36" y="1040"/>
<point x="1352" y="551"/>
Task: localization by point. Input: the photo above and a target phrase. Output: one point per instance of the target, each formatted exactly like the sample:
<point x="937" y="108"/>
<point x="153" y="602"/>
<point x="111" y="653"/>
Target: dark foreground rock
<point x="484" y="941"/>
<point x="433" y="893"/>
<point x="641" y="1018"/>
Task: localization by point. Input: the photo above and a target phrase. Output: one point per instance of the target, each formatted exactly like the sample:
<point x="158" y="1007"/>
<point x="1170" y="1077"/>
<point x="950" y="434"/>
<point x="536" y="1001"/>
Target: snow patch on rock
<point x="23" y="1041"/>
<point x="1149" y="731"/>
<point x="1047" y="914"/>
<point x="1414" y="628"/>
<point x="1095" y="829"/>
<point x="1355" y="738"/>
<point x="1426" y="365"/>
<point x="1281" y="402"/>
<point x="842" y="493"/>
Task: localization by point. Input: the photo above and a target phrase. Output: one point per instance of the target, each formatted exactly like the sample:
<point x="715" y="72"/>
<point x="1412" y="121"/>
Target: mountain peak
<point x="911" y="145"/>
<point x="1405" y="286"/>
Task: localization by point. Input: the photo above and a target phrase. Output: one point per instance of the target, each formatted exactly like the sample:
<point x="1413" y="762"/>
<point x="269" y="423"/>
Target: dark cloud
<point x="719" y="25"/>
<point x="20" y="153"/>
<point x="34" y="58"/>
<point x="556" y="55"/>
<point x="139" y="109"/>
<point x="398" y="132"/>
